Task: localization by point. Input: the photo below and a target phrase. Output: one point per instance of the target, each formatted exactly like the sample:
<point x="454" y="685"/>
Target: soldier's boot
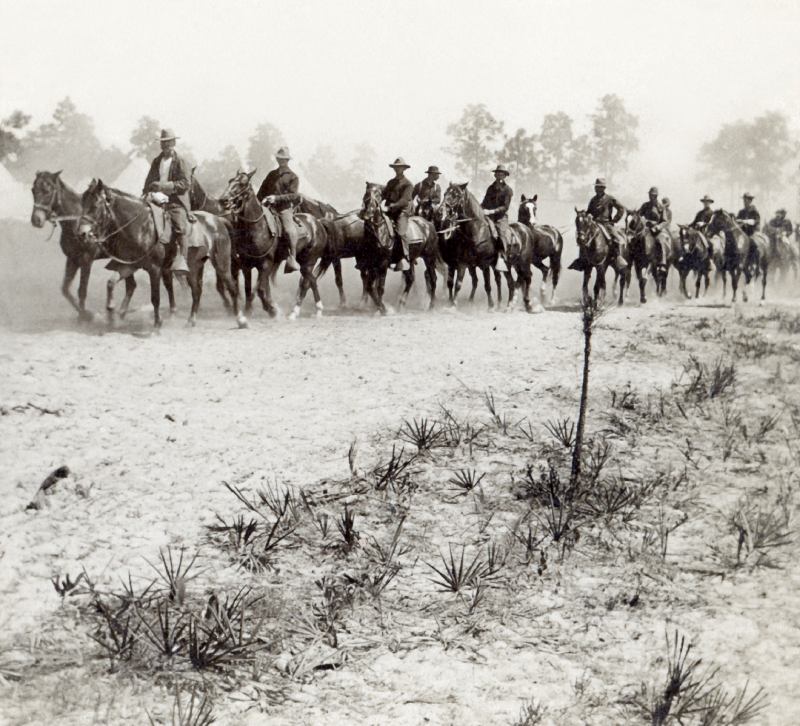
<point x="291" y="261"/>
<point x="501" y="264"/>
<point x="179" y="265"/>
<point x="402" y="264"/>
<point x="616" y="254"/>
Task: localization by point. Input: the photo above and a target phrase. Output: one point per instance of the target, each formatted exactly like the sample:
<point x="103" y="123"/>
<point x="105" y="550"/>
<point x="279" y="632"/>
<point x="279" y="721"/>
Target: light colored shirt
<point x="163" y="169"/>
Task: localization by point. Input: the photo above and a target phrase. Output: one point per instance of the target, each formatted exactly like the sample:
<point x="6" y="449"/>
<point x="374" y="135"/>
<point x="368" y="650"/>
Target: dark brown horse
<point x="467" y="241"/>
<point x="123" y="227"/>
<point x="782" y="255"/>
<point x="646" y="253"/>
<point x="57" y="203"/>
<point x="382" y="249"/>
<point x="742" y="255"/>
<point x="594" y="254"/>
<point x="696" y="256"/>
<point x="259" y="247"/>
<point x="347" y="242"/>
<point x="546" y="243"/>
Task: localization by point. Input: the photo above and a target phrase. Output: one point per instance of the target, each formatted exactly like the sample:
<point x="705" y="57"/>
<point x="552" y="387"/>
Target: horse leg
<point x="642" y="278"/>
<point x="156" y="273"/>
<point x="195" y="283"/>
<point x="381" y="289"/>
<point x="223" y="292"/>
<point x="302" y="290"/>
<point x="265" y="289"/>
<point x="555" y="269"/>
<point x="512" y="288"/>
<point x="734" y="283"/>
<point x="600" y="285"/>
<point x="764" y="270"/>
<point x="487" y="285"/>
<point x="166" y="276"/>
<point x="473" y="273"/>
<point x="459" y="280"/>
<point x="247" y="272"/>
<point x="527" y="280"/>
<point x="83" y="288"/>
<point x="408" y="279"/>
<point x="585" y="286"/>
<point x="337" y="276"/>
<point x="498" y="281"/>
<point x="130" y="287"/>
<point x="227" y="278"/>
<point x="70" y="270"/>
<point x="621" y="277"/>
<point x="451" y="279"/>
<point x="111" y="283"/>
<point x="430" y="282"/>
<point x="539" y="265"/>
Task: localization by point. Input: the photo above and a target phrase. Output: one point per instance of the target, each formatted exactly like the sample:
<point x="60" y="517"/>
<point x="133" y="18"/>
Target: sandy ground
<point x="150" y="425"/>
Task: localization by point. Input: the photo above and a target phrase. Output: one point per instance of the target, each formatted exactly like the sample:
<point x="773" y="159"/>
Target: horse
<point x="546" y="244"/>
<point x="259" y="247"/>
<point x="123" y="227"/>
<point x="55" y="202"/>
<point x="467" y="241"/>
<point x="347" y="241"/>
<point x="696" y="255"/>
<point x="594" y="250"/>
<point x="647" y="255"/>
<point x="742" y="254"/>
<point x="379" y="234"/>
<point x="782" y="255"/>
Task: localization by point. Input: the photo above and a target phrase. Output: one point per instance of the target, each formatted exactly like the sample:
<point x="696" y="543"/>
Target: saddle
<point x="276" y="225"/>
<point x="163" y="224"/>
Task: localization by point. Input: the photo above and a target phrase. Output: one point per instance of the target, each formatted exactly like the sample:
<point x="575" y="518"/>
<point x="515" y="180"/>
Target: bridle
<point x="94" y="223"/>
<point x="581" y="236"/>
<point x="235" y="204"/>
<point x="49" y="209"/>
<point x="371" y="211"/>
<point x="451" y="213"/>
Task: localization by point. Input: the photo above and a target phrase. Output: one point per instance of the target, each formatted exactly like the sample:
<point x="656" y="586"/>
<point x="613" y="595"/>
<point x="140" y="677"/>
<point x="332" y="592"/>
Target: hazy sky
<point x="396" y="73"/>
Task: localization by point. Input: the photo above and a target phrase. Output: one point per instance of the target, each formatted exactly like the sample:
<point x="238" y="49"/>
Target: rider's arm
<point x="290" y="191"/>
<point x="404" y="199"/>
<point x="619" y="211"/>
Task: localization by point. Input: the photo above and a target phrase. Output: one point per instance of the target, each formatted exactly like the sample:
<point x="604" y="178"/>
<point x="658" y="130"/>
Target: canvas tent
<point x="131" y="178"/>
<point x="16" y="200"/>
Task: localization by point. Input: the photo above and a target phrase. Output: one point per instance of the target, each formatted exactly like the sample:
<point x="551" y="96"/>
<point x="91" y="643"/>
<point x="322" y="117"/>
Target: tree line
<point x="559" y="159"/>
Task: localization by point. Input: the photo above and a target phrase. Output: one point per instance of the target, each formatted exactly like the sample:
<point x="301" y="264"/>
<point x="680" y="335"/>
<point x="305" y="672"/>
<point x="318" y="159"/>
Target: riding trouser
<point x="290" y="230"/>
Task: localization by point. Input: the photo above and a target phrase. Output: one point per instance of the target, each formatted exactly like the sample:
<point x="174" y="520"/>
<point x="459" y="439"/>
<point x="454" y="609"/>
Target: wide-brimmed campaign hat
<point x="283" y="153"/>
<point x="707" y="199"/>
<point x="400" y="163"/>
<point x="653" y="190"/>
<point x="433" y="170"/>
<point x="502" y="169"/>
<point x="600" y="182"/>
<point x="747" y="195"/>
<point x="167" y="135"/>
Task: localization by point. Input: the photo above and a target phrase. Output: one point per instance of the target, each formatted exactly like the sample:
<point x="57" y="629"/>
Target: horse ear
<point x="535" y="197"/>
<point x="464" y="185"/>
<point x="576" y="211"/>
<point x="58" y="173"/>
<point x="367" y="183"/>
<point x="522" y="198"/>
<point x="252" y="174"/>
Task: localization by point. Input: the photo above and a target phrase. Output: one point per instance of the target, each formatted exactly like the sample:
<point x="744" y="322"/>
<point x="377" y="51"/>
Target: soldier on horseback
<point x="397" y="200"/>
<point x="667" y="211"/>
<point x="653" y="212"/>
<point x="167" y="185"/>
<point x="495" y="204"/>
<point x="703" y="217"/>
<point x="607" y="211"/>
<point x="427" y="194"/>
<point x="279" y="190"/>
<point x="779" y="224"/>
<point x="748" y="217"/>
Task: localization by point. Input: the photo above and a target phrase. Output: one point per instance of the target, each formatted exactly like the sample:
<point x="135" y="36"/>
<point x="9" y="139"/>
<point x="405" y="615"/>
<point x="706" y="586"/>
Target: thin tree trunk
<point x="577" y="449"/>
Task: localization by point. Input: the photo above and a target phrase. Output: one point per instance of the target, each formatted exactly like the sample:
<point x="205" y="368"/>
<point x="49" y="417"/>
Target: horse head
<point x="95" y="211"/>
<point x="634" y="222"/>
<point x="47" y="189"/>
<point x="454" y="206"/>
<point x="721" y="221"/>
<point x="527" y="209"/>
<point x="238" y="192"/>
<point x="585" y="227"/>
<point x="371" y="204"/>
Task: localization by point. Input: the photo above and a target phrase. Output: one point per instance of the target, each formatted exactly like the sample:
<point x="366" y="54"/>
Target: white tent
<point x="16" y="200"/>
<point x="131" y="178"/>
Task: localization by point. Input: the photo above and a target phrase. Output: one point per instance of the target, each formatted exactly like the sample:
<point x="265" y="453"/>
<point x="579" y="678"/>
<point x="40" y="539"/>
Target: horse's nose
<point x="84" y="230"/>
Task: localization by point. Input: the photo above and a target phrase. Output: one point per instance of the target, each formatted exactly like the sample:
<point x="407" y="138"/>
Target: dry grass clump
<point x="691" y="694"/>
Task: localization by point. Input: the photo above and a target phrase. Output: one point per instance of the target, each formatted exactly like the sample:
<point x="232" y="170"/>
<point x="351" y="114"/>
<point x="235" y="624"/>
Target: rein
<point x="245" y="196"/>
<point x="102" y="240"/>
<point x="50" y="212"/>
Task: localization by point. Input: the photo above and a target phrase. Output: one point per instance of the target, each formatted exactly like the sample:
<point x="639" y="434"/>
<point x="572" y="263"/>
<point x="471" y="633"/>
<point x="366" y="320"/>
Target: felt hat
<point x="653" y="190"/>
<point x="747" y="195"/>
<point x="600" y="182"/>
<point x="283" y="153"/>
<point x="502" y="169"/>
<point x="433" y="170"/>
<point x="707" y="199"/>
<point x="167" y="135"/>
<point x="400" y="163"/>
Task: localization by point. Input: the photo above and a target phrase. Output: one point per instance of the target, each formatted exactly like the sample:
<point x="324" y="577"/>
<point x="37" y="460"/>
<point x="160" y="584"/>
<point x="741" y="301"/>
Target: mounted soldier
<point x="703" y="217"/>
<point x="495" y="204"/>
<point x="427" y="194"/>
<point x="279" y="191"/>
<point x="607" y="211"/>
<point x="780" y="224"/>
<point x="665" y="202"/>
<point x="748" y="217"/>
<point x="167" y="184"/>
<point x="397" y="201"/>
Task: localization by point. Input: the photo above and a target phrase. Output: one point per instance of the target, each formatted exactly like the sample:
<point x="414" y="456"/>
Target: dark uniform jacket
<point x="653" y="212"/>
<point x="398" y="194"/>
<point x="702" y="218"/>
<point x="498" y="196"/>
<point x="177" y="188"/>
<point x="749" y="213"/>
<point x="283" y="183"/>
<point x="428" y="191"/>
<point x="601" y="207"/>
<point x="783" y="225"/>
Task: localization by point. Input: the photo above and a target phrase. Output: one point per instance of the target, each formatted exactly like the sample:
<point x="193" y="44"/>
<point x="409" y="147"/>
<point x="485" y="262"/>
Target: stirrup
<point x="402" y="265"/>
<point x="290" y="265"/>
<point x="500" y="265"/>
<point x="179" y="264"/>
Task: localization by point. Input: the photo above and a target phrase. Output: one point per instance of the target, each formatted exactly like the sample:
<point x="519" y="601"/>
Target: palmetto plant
<point x="455" y="573"/>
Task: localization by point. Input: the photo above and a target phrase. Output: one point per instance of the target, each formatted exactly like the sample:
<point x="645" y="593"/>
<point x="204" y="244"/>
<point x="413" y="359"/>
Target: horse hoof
<point x="172" y="311"/>
<point x="190" y="323"/>
<point x="85" y="316"/>
<point x="293" y="315"/>
<point x="242" y="322"/>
